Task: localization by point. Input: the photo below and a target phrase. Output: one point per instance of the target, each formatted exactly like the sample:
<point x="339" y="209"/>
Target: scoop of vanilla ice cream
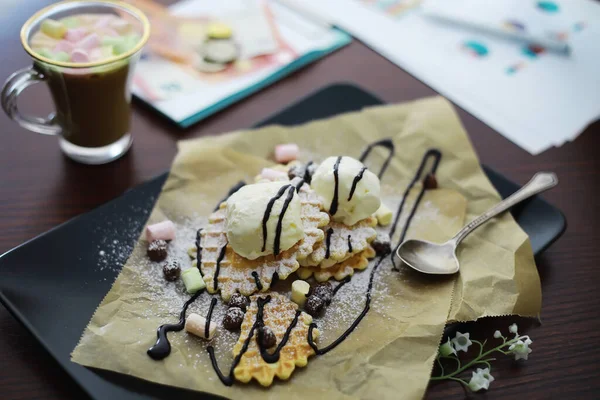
<point x="245" y="211"/>
<point x="365" y="199"/>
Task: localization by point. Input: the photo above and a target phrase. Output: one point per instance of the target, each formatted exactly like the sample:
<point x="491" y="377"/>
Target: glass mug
<point x="93" y="99"/>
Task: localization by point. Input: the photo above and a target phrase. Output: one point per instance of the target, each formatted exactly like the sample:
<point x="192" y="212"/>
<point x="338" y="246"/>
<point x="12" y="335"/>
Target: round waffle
<point x="236" y="273"/>
<point x="340" y="270"/>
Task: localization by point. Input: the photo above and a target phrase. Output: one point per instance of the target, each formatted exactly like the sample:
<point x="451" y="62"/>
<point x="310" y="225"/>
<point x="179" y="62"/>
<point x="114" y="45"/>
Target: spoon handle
<point x="540" y="182"/>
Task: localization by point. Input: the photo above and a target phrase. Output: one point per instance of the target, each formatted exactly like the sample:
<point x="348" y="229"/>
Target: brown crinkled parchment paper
<point x="391" y="353"/>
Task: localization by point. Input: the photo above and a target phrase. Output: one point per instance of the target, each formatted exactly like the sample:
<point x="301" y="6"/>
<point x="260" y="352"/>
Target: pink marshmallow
<point x="80" y="56"/>
<point x="103" y="22"/>
<point x="286" y="152"/>
<point x="89" y="42"/>
<point x="273" y="175"/>
<point x="74" y="35"/>
<point x="65" y="46"/>
<point x="108" y="32"/>
<point x="161" y="231"/>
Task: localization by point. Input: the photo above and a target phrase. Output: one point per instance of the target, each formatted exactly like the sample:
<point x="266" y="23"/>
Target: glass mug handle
<point x="13" y="86"/>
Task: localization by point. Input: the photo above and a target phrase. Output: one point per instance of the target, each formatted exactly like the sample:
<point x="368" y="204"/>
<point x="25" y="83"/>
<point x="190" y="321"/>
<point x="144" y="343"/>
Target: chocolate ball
<point x="314" y="305"/>
<point x="171" y="270"/>
<point x="266" y="338"/>
<point x="382" y="244"/>
<point x="232" y="321"/>
<point x="238" y="300"/>
<point x="430" y="182"/>
<point x="324" y="291"/>
<point x="157" y="250"/>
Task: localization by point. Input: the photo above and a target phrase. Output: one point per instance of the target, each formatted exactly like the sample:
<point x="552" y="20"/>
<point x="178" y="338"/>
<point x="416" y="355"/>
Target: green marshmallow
<point x="53" y="28"/>
<point x="61" y="56"/>
<point x="192" y="280"/>
<point x="112" y="40"/>
<point x="45" y="53"/>
<point x="71" y="22"/>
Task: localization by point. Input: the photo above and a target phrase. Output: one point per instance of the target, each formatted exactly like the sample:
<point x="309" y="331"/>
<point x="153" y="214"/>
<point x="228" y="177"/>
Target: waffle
<point x="237" y="273"/>
<point x="278" y="313"/>
<point x="361" y="234"/>
<point x="341" y="270"/>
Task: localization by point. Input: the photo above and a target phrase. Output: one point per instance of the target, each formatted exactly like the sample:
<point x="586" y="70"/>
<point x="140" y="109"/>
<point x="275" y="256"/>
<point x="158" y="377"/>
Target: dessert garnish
<point x="157" y="250"/>
<point x="171" y="271"/>
<point x="233" y="318"/>
<point x="164" y="230"/>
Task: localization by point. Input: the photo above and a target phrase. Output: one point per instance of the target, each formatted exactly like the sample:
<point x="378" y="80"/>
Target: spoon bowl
<point x="428" y="257"/>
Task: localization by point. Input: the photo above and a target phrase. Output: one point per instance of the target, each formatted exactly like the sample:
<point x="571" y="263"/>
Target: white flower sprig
<point x="481" y="378"/>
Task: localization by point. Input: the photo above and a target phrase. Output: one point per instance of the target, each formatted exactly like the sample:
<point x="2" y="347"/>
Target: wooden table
<point x="39" y="189"/>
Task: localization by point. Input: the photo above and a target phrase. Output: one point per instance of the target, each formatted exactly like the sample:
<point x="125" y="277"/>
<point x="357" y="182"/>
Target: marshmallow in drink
<point x="286" y="152"/>
<point x="89" y="42"/>
<point x="164" y="230"/>
<point x="74" y="35"/>
<point x="65" y="46"/>
<point x="273" y="175"/>
<point x="196" y="325"/>
<point x="54" y="29"/>
<point x="108" y="32"/>
<point x="120" y="25"/>
<point x="61" y="56"/>
<point x="80" y="56"/>
<point x="103" y="22"/>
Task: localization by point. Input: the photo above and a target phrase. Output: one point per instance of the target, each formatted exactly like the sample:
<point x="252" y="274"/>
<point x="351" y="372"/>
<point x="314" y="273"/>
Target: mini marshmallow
<point x="384" y="215"/>
<point x="80" y="56"/>
<point x="273" y="175"/>
<point x="192" y="279"/>
<point x="89" y="42"/>
<point x="299" y="291"/>
<point x="61" y="56"/>
<point x="286" y="152"/>
<point x="74" y="35"/>
<point x="161" y="231"/>
<point x="103" y="22"/>
<point x="65" y="46"/>
<point x="120" y="25"/>
<point x="196" y="325"/>
<point x="108" y="32"/>
<point x="52" y="28"/>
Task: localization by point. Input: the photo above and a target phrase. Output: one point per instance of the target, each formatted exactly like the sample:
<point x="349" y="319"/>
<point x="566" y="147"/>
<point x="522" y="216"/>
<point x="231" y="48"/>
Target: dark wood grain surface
<point x="40" y="189"/>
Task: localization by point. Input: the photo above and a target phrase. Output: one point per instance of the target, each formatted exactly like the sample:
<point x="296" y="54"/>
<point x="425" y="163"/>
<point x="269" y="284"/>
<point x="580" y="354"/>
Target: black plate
<point x="52" y="284"/>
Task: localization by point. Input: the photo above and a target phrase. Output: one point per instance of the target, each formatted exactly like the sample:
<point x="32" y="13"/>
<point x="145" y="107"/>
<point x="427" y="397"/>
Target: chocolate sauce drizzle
<point x="199" y="250"/>
<point x="228" y="379"/>
<point x="259" y="285"/>
<point x="328" y="242"/>
<point x="213" y="302"/>
<point x="162" y="347"/>
<point x="267" y="213"/>
<point x="436" y="159"/>
<point x="341" y="284"/>
<point x="299" y="185"/>
<point x="388" y="144"/>
<point x="218" y="267"/>
<point x="357" y="179"/>
<point x="349" y="244"/>
<point x="274" y="357"/>
<point x="419" y="175"/>
<point x="307" y="174"/>
<point x="334" y="201"/>
<point x="348" y="331"/>
<point x="233" y="189"/>
<point x="279" y="227"/>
